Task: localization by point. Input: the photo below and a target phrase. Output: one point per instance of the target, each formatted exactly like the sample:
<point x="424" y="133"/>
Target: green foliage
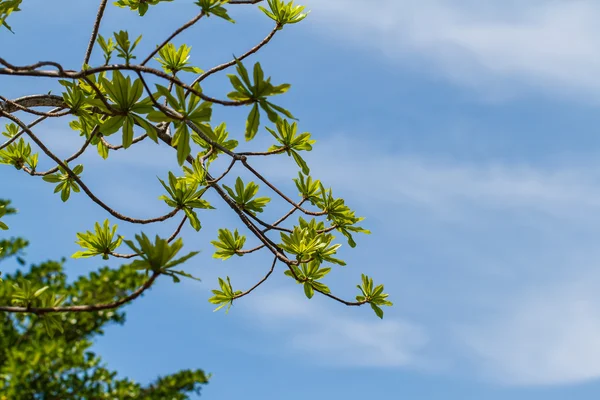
<point x="13" y="246"/>
<point x="103" y="100"/>
<point x="225" y="296"/>
<point x="18" y="154"/>
<point x="308" y="242"/>
<point x="196" y="174"/>
<point x="284" y="13"/>
<point x="342" y="217"/>
<point x="373" y="295"/>
<point x="141" y="6"/>
<point x="258" y="92"/>
<point x="126" y="108"/>
<point x="3" y="212"/>
<point x="229" y="244"/>
<point x="159" y="256"/>
<point x="215" y="7"/>
<point x="244" y="196"/>
<point x="309" y="189"/>
<point x="6" y="8"/>
<point x="28" y="353"/>
<point x="100" y="242"/>
<point x="65" y="181"/>
<point x="123" y="45"/>
<point x="26" y="295"/>
<point x="192" y="110"/>
<point x="219" y="136"/>
<point x="291" y="142"/>
<point x="174" y="60"/>
<point x="186" y="196"/>
<point x="10" y="130"/>
<point x="107" y="46"/>
<point x="308" y="275"/>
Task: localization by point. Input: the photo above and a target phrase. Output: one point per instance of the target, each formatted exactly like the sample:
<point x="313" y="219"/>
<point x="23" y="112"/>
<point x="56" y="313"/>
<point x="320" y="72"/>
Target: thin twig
<point x="80" y="182"/>
<point x="242" y="57"/>
<point x="84" y="308"/>
<point x="177" y="32"/>
<point x="99" y="15"/>
<point x="263" y="280"/>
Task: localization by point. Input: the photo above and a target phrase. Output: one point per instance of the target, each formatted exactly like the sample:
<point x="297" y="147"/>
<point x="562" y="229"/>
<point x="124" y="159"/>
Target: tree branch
<point x="99" y="15"/>
<point x="84" y="308"/>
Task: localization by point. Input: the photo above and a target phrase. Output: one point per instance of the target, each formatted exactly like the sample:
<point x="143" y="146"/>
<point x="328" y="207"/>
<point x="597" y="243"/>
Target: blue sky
<point x="466" y="133"/>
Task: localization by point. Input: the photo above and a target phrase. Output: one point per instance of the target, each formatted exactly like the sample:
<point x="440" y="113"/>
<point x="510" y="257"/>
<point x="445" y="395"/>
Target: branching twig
<point x="242" y="57"/>
<point x="99" y="15"/>
<point x="80" y="182"/>
<point x="84" y="308"/>
<point x="177" y="32"/>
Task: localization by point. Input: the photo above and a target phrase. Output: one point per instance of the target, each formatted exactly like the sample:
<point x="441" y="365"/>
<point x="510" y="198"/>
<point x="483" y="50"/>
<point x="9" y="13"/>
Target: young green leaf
<point x="229" y="244"/>
<point x="244" y="196"/>
<point x="100" y="242"/>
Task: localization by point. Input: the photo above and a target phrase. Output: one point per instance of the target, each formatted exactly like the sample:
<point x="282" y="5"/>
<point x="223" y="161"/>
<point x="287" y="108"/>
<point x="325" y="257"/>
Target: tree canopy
<point x="34" y="365"/>
<point x="118" y="98"/>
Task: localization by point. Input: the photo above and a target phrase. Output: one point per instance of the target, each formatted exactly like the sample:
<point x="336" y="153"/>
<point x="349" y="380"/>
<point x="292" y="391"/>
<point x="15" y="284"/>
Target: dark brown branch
<point x="18" y="107"/>
<point x="177" y="32"/>
<point x="267" y="225"/>
<point x="99" y="15"/>
<point x="38" y="100"/>
<point x="263" y="280"/>
<point x="261" y="153"/>
<point x="68" y="160"/>
<point x="286" y="216"/>
<point x="279" y="192"/>
<point x="242" y="57"/>
<point x="80" y="182"/>
<point x="119" y="147"/>
<point x="31" y="70"/>
<point x="31" y="125"/>
<point x="242" y="252"/>
<point x="84" y="308"/>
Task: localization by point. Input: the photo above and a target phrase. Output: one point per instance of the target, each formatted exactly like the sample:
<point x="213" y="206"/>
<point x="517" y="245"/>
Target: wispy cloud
<point x="449" y="187"/>
<point x="329" y="337"/>
<point x="547" y="335"/>
<point x="535" y="323"/>
<point x="542" y="42"/>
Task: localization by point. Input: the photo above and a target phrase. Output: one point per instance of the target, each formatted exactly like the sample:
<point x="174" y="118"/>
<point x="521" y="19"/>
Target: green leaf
<point x="308" y="290"/>
<point x="378" y="311"/>
<point x="252" y="123"/>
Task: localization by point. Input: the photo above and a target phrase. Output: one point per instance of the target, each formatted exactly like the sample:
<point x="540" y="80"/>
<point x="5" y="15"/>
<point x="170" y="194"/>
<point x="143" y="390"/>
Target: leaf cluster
<point x="19" y="154"/>
<point x="229" y="244"/>
<point x="184" y="194"/>
<point x="284" y="13"/>
<point x="244" y="196"/>
<point x="192" y="110"/>
<point x="225" y="296"/>
<point x="257" y="92"/>
<point x="219" y="136"/>
<point x="100" y="242"/>
<point x="7" y="7"/>
<point x="291" y="142"/>
<point x="159" y="256"/>
<point x="141" y="6"/>
<point x="215" y="7"/>
<point x="65" y="181"/>
<point x="174" y="59"/>
<point x="373" y="295"/>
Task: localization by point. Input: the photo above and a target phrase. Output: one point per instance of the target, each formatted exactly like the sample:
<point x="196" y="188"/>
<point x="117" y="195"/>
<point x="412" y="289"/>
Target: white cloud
<point x="329" y="337"/>
<point x="451" y="188"/>
<point x="550" y="335"/>
<point x="536" y="315"/>
<point x="480" y="43"/>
